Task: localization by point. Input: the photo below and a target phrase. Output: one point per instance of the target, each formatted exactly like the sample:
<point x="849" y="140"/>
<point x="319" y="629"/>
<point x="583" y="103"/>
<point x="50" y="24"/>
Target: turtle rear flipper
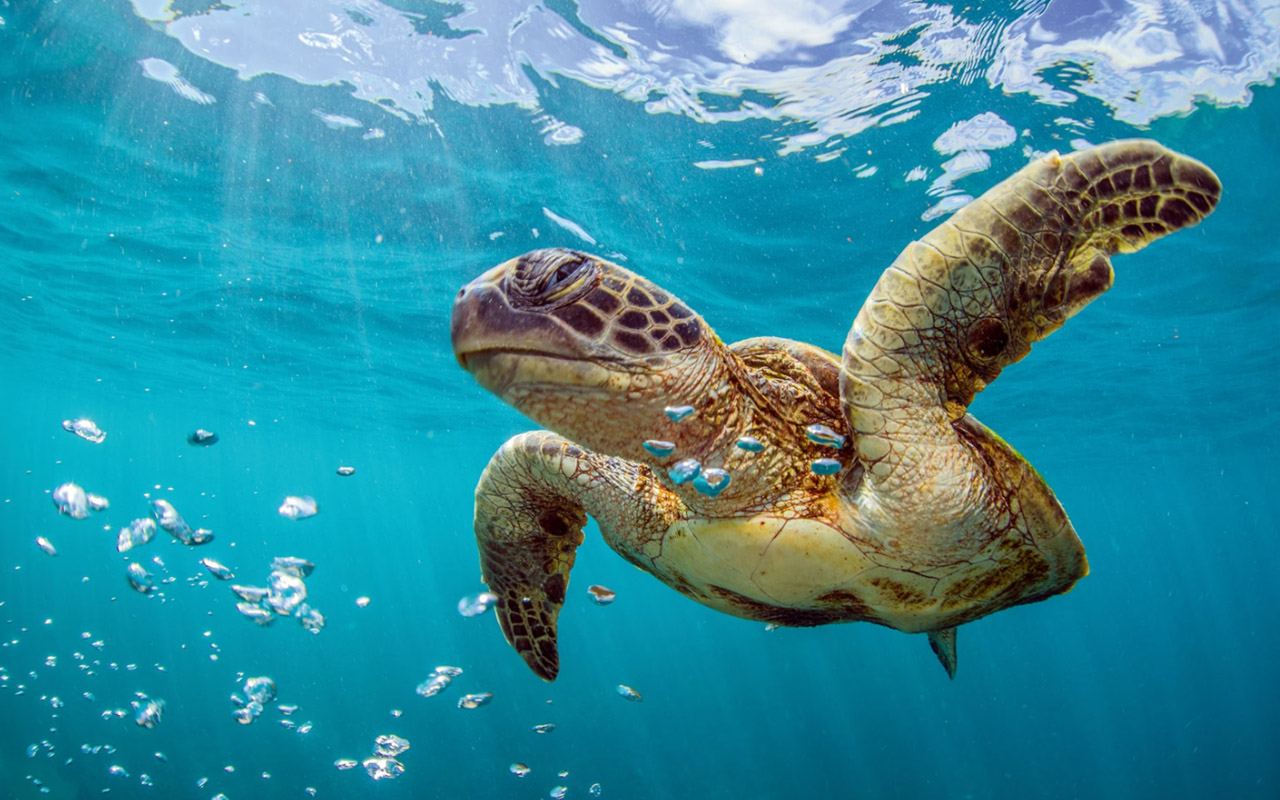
<point x="976" y="292"/>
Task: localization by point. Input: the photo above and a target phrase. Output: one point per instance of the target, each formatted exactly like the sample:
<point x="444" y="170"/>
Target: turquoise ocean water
<point x="252" y="218"/>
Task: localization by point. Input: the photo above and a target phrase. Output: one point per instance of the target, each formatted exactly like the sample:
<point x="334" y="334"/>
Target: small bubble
<point x="684" y="471"/>
<point x="600" y="595"/>
<point x="85" y="429"/>
<point x="520" y="770"/>
<point x="824" y="435"/>
<point x="677" y="413"/>
<point x="711" y="482"/>
<point x="825" y="466"/>
<point x="298" y="507"/>
<point x="202" y="438"/>
<point x="659" y="448"/>
<point x="750" y="443"/>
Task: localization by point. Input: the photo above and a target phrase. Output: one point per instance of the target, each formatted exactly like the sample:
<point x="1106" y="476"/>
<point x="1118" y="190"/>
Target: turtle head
<point x="583" y="346"/>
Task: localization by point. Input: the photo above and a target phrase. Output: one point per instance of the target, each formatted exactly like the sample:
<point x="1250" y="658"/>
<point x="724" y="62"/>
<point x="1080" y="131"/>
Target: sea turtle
<point x="804" y="488"/>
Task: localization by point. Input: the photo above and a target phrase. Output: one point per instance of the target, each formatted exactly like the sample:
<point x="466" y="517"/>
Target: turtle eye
<point x="551" y="278"/>
<point x="567" y="277"/>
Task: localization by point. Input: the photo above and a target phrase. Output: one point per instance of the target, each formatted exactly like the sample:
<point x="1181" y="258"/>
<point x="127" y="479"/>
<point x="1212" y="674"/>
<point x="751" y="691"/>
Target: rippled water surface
<point x="252" y="218"/>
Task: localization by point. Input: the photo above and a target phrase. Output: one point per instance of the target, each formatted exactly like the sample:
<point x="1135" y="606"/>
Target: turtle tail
<point x="528" y="527"/>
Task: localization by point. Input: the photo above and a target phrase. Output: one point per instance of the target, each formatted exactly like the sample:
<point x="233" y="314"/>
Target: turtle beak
<point x="484" y="322"/>
<point x="474" y="303"/>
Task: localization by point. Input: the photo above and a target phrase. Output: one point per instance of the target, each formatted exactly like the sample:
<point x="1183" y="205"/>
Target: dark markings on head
<point x="581" y="319"/>
<point x="635" y="320"/>
<point x="603" y="299"/>
<point x="689" y="331"/>
<point x="632" y="342"/>
<point x="679" y="311"/>
<point x="659" y="317"/>
<point x="639" y="298"/>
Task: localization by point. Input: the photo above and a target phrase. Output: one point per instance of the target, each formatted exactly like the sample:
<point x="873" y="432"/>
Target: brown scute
<point x="1142" y="178"/>
<point x="1147" y="206"/>
<point x="1175" y="213"/>
<point x="1110" y="213"/>
<point x="603" y="300"/>
<point x="1104" y="188"/>
<point x="1201" y="177"/>
<point x="631" y="342"/>
<point x="1130" y="209"/>
<point x="639" y="298"/>
<point x="635" y="320"/>
<point x="553" y="523"/>
<point x="671" y="343"/>
<point x="1091" y="283"/>
<point x="988" y="337"/>
<point x="581" y="319"/>
<point x="554" y="587"/>
<point x="1131" y="231"/>
<point x="1154" y="228"/>
<point x="1201" y="202"/>
<point x="659" y="317"/>
<point x="1161" y="172"/>
<point x="1122" y="180"/>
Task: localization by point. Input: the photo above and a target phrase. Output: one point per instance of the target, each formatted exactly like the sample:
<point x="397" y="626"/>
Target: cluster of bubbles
<point x="438" y="681"/>
<point x="299" y="507"/>
<point x="259" y="692"/>
<point x="473" y="605"/>
<point x="71" y="499"/>
<point x="711" y="481"/>
<point x="284" y="595"/>
<point x="383" y="764"/>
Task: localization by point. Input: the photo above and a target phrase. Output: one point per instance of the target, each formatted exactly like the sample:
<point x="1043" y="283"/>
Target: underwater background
<point x="252" y="217"/>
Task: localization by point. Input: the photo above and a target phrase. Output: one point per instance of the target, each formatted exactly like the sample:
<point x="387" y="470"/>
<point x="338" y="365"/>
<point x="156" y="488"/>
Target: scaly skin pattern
<point x="931" y="522"/>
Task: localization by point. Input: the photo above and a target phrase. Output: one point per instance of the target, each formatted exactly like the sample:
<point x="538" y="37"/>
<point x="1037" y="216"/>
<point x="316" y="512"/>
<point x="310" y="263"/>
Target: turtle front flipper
<point x="971" y="297"/>
<point x="531" y="505"/>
